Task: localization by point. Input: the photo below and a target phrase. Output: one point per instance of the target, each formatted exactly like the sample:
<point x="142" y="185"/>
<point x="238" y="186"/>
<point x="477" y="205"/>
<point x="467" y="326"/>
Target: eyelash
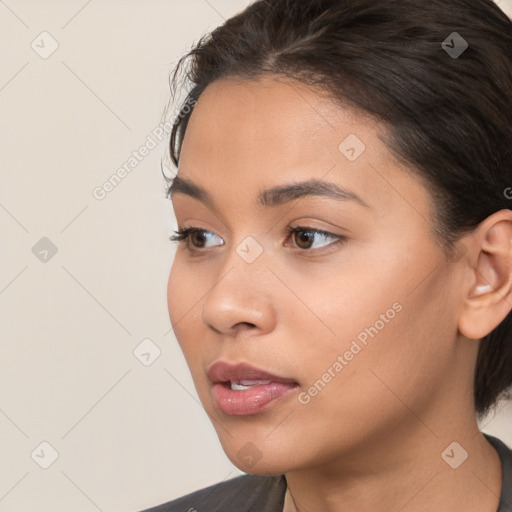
<point x="183" y="234"/>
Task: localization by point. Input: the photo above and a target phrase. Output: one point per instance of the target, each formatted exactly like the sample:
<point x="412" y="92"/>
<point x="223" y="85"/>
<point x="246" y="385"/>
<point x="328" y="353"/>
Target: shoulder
<point x="505" y="454"/>
<point x="240" y="494"/>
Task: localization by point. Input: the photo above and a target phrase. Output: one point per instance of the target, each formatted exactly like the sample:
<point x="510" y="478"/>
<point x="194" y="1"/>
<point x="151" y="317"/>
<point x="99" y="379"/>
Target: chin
<point x="262" y="467"/>
<point x="257" y="457"/>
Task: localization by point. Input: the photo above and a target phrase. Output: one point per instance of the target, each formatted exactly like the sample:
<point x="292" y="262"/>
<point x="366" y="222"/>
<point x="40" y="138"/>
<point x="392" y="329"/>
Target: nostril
<point x="244" y="326"/>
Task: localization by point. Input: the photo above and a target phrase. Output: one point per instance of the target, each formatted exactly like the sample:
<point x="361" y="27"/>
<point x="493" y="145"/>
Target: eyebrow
<point x="274" y="196"/>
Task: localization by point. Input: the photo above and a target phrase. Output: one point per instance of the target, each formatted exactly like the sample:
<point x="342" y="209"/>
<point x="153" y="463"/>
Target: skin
<point x="372" y="439"/>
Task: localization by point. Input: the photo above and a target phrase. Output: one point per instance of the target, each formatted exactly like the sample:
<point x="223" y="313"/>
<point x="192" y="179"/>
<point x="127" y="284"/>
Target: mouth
<point x="241" y="389"/>
<point x="242" y="385"/>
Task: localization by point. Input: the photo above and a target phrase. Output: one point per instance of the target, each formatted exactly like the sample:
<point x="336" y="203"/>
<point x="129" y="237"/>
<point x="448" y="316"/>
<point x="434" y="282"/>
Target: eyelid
<point x="184" y="233"/>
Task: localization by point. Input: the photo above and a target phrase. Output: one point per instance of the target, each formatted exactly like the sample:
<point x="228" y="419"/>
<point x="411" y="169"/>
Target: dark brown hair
<point x="447" y="107"/>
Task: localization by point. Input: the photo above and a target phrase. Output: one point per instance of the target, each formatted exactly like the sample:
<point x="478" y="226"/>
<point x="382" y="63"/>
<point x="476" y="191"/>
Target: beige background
<point x="126" y="435"/>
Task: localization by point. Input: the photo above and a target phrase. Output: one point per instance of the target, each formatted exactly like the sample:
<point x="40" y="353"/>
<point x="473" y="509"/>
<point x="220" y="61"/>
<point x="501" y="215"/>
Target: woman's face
<point x="359" y="324"/>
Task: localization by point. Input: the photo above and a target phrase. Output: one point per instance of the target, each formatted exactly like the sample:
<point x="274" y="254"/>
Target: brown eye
<point x="304" y="238"/>
<point x="198" y="239"/>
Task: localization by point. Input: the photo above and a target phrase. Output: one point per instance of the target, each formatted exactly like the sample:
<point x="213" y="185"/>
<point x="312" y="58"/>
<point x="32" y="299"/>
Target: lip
<point x="248" y="401"/>
<point x="220" y="371"/>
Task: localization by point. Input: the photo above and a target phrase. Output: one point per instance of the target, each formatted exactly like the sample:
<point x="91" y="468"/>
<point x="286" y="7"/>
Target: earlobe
<point x="488" y="295"/>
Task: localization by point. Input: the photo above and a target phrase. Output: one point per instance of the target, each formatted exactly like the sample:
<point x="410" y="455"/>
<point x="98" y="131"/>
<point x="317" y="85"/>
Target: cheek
<point x="180" y="300"/>
<point x="356" y="390"/>
<point x="395" y="350"/>
<point x="175" y="288"/>
<point x="185" y="297"/>
<point x="347" y="303"/>
<point x="184" y="291"/>
<point x="371" y="324"/>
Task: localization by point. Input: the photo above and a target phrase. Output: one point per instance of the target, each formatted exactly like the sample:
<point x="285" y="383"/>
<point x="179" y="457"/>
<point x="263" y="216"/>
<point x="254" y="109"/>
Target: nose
<point x="240" y="300"/>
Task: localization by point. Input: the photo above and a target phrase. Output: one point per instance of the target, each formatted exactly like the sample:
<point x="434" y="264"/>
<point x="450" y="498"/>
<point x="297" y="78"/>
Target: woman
<point x="343" y="283"/>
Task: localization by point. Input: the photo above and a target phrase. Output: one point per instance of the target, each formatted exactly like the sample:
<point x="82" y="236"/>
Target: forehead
<point x="244" y="136"/>
<point x="287" y="117"/>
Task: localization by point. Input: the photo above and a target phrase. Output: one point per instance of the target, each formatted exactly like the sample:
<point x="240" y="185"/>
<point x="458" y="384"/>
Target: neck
<point x="407" y="472"/>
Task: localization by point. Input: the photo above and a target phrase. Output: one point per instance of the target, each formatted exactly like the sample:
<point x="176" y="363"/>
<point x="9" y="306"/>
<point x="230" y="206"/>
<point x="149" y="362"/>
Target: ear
<point x="488" y="294"/>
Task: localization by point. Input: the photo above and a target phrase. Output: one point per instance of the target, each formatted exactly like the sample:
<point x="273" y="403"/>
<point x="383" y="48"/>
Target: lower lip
<point x="249" y="401"/>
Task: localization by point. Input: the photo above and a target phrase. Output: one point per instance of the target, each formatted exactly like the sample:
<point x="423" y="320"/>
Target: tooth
<point x="239" y="387"/>
<point x="254" y="382"/>
<point x="247" y="384"/>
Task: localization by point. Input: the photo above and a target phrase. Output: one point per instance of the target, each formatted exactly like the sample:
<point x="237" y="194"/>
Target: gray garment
<point x="251" y="493"/>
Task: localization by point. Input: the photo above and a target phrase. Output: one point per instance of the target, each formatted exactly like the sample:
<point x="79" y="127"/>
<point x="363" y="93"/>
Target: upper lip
<point x="221" y="371"/>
